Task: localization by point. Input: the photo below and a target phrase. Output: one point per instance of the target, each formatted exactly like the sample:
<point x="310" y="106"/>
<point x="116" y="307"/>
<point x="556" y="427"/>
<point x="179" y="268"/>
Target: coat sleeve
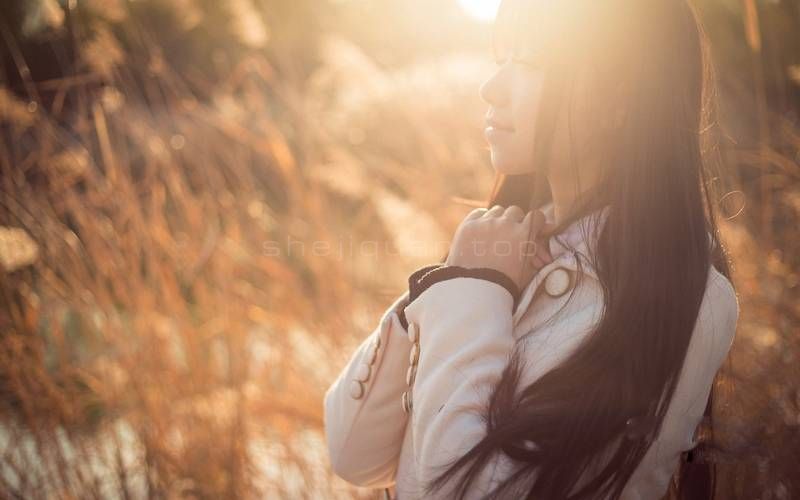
<point x="710" y="344"/>
<point x="465" y="340"/>
<point x="465" y="336"/>
<point x="363" y="416"/>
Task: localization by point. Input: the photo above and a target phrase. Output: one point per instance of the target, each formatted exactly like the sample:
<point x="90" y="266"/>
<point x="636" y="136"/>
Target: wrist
<point x="426" y="277"/>
<point x="414" y="289"/>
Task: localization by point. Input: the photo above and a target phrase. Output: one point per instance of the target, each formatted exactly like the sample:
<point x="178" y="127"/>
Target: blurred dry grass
<point x="190" y="254"/>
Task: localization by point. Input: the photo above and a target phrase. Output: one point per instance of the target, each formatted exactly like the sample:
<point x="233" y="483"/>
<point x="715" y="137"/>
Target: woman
<point x="580" y="366"/>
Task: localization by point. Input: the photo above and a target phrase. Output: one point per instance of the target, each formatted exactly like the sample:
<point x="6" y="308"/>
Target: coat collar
<point x="580" y="236"/>
<point x="577" y="241"/>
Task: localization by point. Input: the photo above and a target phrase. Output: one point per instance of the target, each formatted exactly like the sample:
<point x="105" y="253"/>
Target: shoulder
<point x="720" y="304"/>
<point x="711" y="340"/>
<point x="719" y="312"/>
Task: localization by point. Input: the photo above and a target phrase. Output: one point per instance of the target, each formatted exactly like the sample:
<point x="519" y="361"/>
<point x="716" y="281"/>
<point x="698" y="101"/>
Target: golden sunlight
<point x="482" y="10"/>
<point x="207" y="209"/>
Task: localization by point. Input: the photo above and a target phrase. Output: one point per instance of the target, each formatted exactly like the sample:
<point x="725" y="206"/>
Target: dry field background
<point x="205" y="205"/>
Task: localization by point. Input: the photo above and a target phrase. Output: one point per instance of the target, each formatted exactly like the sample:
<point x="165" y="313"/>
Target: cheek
<point x="525" y="109"/>
<point x="526" y="106"/>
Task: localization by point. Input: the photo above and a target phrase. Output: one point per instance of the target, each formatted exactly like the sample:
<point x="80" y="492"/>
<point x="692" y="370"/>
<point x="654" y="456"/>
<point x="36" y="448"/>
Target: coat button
<point x="413" y="331"/>
<point x="362" y="372"/>
<point x="413" y="357"/>
<point x="406" y="402"/>
<point x="356" y="389"/>
<point x="557" y="282"/>
<point x="411" y="374"/>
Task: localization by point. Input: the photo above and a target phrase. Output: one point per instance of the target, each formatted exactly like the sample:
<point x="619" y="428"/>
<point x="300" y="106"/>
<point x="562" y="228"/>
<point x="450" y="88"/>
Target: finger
<point x="495" y="211"/>
<point x="475" y="213"/>
<point x="542" y="257"/>
<point x="544" y="251"/>
<point x="540" y="219"/>
<point x="547" y="228"/>
<point x="526" y="221"/>
<point x="514" y="213"/>
<point x="534" y="219"/>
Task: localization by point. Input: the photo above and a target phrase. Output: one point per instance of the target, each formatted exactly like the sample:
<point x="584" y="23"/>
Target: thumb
<point x="547" y="228"/>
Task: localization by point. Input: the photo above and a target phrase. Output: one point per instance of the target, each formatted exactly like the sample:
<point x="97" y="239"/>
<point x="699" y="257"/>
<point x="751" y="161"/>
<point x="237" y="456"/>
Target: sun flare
<point x="482" y="10"/>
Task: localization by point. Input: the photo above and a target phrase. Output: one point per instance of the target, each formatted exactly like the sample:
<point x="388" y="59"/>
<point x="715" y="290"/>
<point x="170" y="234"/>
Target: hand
<point x="505" y="239"/>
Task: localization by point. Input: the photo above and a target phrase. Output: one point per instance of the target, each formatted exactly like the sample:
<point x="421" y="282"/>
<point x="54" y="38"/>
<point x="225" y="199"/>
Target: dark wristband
<point x="413" y="290"/>
<point x="415" y="285"/>
<point x="421" y="279"/>
<point x="485" y="273"/>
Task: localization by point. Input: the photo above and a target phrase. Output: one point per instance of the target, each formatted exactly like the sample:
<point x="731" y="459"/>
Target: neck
<point x="566" y="190"/>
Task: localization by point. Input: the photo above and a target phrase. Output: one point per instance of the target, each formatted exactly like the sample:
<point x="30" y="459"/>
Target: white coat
<point x="463" y="331"/>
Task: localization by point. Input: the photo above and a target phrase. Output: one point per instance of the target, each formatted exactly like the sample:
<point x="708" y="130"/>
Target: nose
<point x="494" y="91"/>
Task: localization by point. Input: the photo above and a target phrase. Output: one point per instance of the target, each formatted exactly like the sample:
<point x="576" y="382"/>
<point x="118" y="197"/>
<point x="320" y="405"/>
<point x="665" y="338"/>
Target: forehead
<point x="528" y="24"/>
<point x="555" y="26"/>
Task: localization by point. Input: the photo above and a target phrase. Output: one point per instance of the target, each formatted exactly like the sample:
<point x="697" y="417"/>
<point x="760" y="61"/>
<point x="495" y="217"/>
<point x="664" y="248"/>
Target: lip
<point x="491" y="123"/>
<point x="493" y="134"/>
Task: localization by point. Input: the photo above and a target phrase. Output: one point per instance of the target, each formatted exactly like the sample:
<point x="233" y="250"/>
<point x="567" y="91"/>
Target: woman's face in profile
<point x="524" y="44"/>
<point x="513" y="93"/>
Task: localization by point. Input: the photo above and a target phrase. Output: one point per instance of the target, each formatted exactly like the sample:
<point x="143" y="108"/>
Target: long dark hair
<point x="652" y="258"/>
